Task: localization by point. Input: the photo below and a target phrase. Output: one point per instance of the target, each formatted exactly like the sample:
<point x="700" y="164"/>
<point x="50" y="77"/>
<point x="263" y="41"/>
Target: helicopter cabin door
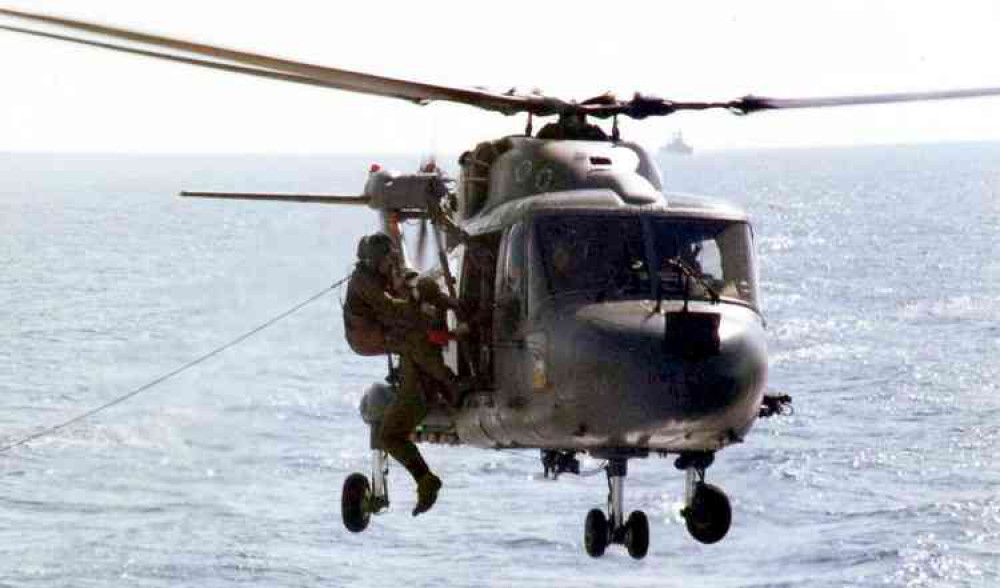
<point x="479" y="267"/>
<point x="510" y="317"/>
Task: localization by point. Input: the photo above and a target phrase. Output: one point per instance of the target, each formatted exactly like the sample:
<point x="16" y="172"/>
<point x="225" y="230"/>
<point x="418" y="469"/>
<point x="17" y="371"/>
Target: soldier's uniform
<point x="377" y="322"/>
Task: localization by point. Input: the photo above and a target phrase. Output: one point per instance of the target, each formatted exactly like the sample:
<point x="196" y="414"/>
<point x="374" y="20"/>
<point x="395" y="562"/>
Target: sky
<point x="66" y="98"/>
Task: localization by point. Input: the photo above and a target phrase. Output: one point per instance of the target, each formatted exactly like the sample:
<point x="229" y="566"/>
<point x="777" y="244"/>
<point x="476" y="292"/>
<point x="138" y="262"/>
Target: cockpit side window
<point x="513" y="274"/>
<point x="512" y="280"/>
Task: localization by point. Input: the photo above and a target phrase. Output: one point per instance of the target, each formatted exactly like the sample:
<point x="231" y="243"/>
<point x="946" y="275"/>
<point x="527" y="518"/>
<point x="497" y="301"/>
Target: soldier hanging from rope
<point x="381" y="317"/>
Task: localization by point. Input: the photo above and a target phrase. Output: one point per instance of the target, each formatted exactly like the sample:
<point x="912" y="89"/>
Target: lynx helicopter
<point x="619" y="319"/>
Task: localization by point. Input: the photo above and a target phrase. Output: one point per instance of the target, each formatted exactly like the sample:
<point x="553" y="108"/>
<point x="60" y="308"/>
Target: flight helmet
<point x="372" y="249"/>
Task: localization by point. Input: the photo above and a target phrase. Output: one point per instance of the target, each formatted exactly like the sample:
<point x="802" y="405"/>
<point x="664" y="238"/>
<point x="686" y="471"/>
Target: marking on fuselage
<point x="522" y="172"/>
<point x="544" y="179"/>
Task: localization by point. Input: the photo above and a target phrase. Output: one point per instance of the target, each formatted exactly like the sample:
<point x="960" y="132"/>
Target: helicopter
<point x="618" y="319"/>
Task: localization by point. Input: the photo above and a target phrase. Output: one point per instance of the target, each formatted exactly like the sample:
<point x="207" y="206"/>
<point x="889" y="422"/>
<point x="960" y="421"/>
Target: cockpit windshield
<point x="610" y="258"/>
<point x="601" y="255"/>
<point x="706" y="258"/>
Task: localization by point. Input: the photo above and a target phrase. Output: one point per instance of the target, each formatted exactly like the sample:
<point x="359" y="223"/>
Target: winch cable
<point x="50" y="430"/>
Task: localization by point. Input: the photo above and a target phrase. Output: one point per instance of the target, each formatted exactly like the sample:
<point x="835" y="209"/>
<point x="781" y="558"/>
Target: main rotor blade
<point x="420" y="93"/>
<point x="263" y="73"/>
<point x="645" y="106"/>
<point x="750" y="104"/>
<point x="508" y="103"/>
<point x="281" y="197"/>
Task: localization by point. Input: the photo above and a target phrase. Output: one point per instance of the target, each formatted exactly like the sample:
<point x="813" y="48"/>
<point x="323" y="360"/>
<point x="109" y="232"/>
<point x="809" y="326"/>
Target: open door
<point x="478" y="279"/>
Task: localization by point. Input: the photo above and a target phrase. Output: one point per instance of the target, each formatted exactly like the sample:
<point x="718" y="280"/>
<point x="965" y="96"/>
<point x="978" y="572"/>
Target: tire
<point x="709" y="516"/>
<point x="595" y="533"/>
<point x="637" y="535"/>
<point x="354" y="503"/>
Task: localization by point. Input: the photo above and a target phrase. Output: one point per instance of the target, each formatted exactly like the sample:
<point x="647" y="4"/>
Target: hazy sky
<point x="61" y="97"/>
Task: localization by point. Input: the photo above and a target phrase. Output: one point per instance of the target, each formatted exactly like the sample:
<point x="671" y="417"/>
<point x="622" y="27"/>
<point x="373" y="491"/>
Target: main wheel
<point x="709" y="515"/>
<point x="595" y="533"/>
<point x="637" y="534"/>
<point x="354" y="503"/>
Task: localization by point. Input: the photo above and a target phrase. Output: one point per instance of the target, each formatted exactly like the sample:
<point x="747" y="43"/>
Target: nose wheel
<point x="707" y="513"/>
<point x="601" y="530"/>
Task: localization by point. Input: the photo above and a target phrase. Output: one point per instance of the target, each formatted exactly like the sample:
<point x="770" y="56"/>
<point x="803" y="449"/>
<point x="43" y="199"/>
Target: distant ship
<point x="677" y="146"/>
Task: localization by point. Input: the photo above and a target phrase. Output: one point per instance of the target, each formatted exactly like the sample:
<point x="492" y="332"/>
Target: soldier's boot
<point x="427" y="493"/>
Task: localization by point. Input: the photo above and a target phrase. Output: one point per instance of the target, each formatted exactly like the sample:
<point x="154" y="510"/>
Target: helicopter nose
<point x="696" y="374"/>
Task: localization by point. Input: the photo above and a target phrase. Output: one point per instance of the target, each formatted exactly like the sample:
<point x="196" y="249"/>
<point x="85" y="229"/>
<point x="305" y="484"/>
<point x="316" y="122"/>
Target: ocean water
<point x="881" y="286"/>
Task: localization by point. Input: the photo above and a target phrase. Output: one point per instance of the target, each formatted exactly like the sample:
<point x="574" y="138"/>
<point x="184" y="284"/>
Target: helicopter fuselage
<point x="613" y="382"/>
<point x="588" y="336"/>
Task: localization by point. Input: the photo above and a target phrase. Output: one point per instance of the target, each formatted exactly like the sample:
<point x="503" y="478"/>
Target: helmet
<point x="373" y="248"/>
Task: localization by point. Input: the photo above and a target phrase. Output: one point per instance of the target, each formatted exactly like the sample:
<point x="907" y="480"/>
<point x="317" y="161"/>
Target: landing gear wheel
<point x="709" y="515"/>
<point x="354" y="503"/>
<point x="595" y="533"/>
<point x="637" y="534"/>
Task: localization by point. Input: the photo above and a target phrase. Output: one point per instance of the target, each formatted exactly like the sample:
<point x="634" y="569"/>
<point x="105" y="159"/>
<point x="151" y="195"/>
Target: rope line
<point x="183" y="368"/>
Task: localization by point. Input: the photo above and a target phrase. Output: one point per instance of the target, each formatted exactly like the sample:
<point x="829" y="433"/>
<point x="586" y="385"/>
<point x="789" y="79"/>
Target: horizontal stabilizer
<point x="282" y="197"/>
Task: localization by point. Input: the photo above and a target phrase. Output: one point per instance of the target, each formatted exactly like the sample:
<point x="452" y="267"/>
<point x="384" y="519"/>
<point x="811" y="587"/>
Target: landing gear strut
<point x="359" y="500"/>
<point x="706" y="513"/>
<point x="602" y="529"/>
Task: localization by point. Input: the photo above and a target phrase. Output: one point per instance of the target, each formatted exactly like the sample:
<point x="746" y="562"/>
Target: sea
<point x="880" y="277"/>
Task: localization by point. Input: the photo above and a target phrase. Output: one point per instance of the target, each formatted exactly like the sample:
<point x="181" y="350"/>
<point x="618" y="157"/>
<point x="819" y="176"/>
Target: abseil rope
<point x="185" y="367"/>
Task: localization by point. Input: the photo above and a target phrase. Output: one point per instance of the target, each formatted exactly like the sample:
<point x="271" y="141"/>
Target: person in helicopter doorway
<point x="382" y="315"/>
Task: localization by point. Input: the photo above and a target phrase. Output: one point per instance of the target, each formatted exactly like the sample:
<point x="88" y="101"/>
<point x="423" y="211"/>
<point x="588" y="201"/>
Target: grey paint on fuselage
<point x="610" y="381"/>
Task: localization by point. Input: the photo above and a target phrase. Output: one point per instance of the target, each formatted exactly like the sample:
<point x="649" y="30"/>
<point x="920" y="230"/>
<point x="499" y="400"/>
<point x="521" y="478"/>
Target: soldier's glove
<point x="462" y="330"/>
<point x="429" y="292"/>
